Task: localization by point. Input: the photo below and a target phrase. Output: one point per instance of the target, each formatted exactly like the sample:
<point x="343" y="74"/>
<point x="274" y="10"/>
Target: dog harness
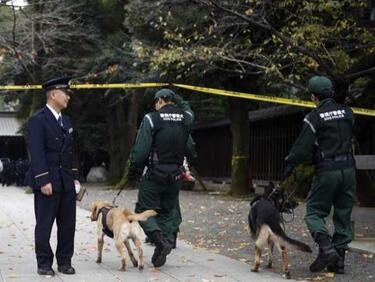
<point x="106" y="230"/>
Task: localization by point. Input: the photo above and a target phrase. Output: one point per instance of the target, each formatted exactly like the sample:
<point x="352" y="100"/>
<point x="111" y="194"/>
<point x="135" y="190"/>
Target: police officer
<point x="326" y="141"/>
<point x="53" y="175"/>
<point x="160" y="146"/>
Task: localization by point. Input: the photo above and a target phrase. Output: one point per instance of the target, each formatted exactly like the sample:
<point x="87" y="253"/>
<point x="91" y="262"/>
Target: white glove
<point x="77" y="186"/>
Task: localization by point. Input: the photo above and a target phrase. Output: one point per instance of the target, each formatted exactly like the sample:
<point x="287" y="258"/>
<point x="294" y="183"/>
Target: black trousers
<point x="62" y="207"/>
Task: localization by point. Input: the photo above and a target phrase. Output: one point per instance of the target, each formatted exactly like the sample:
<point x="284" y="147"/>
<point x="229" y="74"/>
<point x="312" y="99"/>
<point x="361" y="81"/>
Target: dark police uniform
<point x="326" y="141"/>
<point x="160" y="146"/>
<point x="52" y="160"/>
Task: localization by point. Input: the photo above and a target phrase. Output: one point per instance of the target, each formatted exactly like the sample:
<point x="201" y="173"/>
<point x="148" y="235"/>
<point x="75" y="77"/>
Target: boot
<point x="327" y="254"/>
<point x="338" y="267"/>
<point x="162" y="248"/>
<point x="174" y="241"/>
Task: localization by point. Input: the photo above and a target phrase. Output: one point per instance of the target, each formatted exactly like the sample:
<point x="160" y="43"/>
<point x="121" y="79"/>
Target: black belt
<point x="339" y="158"/>
<point x="336" y="162"/>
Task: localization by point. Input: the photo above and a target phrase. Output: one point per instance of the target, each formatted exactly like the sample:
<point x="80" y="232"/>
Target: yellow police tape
<point x="88" y="86"/>
<point x="256" y="97"/>
<point x="117" y="85"/>
<point x="264" y="98"/>
<point x="20" y="87"/>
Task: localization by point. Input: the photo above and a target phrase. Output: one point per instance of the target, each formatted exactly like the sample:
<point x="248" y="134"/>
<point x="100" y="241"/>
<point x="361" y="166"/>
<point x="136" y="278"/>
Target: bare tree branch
<point x="14" y="48"/>
<point x="239" y="61"/>
<point x="264" y="25"/>
<point x="355" y="75"/>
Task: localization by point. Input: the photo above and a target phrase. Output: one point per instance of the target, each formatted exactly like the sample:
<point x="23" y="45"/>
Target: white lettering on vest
<point x="171" y="117"/>
<point x="339" y="114"/>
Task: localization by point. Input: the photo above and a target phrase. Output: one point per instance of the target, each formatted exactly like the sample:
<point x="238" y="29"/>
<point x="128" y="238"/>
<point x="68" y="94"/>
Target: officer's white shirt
<point x="55" y="114"/>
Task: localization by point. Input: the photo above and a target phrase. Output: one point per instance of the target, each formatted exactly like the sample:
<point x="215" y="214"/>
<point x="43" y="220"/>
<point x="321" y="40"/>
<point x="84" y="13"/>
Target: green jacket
<point x="164" y="136"/>
<point x="325" y="139"/>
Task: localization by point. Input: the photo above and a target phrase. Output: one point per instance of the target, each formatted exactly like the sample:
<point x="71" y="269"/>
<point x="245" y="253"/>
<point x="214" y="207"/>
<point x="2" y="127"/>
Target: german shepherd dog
<point x="265" y="227"/>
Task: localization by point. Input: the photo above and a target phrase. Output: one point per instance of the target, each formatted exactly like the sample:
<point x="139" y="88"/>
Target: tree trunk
<point x="365" y="136"/>
<point x="131" y="129"/>
<point x="240" y="156"/>
<point x="118" y="141"/>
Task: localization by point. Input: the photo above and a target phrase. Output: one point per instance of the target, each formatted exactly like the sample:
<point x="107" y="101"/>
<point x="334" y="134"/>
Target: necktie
<point x="59" y="120"/>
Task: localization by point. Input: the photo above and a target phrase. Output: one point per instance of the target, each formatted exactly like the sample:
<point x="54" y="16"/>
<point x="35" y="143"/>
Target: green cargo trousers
<point x="335" y="188"/>
<point x="164" y="200"/>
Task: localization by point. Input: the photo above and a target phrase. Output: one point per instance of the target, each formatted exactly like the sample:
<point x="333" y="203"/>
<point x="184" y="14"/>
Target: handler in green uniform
<point x="158" y="153"/>
<point x="326" y="141"/>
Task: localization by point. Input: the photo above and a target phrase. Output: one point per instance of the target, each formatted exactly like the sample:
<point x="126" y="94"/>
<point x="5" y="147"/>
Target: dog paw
<point x="135" y="263"/>
<point x="122" y="268"/>
<point x="98" y="260"/>
<point x="287" y="275"/>
<point x="254" y="270"/>
<point x="269" y="265"/>
<point x="140" y="268"/>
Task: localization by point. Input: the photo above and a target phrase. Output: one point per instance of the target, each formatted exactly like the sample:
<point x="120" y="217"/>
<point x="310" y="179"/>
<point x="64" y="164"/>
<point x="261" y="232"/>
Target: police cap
<point x="321" y="86"/>
<point x="57" y="83"/>
<point x="164" y="93"/>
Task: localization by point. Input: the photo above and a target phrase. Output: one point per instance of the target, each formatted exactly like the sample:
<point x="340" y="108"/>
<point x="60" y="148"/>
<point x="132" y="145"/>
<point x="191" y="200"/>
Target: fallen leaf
<point x="12" y="275"/>
<point x="215" y="251"/>
<point x="243" y="260"/>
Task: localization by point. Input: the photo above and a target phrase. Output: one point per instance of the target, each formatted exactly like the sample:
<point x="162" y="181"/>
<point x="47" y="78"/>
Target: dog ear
<point x="268" y="189"/>
<point x="94" y="213"/>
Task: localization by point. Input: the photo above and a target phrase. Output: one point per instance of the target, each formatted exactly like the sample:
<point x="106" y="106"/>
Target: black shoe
<point x="162" y="249"/>
<point x="339" y="267"/>
<point x="159" y="257"/>
<point x="327" y="254"/>
<point x="66" y="269"/>
<point x="46" y="271"/>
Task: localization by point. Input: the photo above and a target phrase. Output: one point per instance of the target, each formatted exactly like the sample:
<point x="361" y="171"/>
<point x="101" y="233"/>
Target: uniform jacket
<point x="326" y="136"/>
<point x="51" y="152"/>
<point x="165" y="135"/>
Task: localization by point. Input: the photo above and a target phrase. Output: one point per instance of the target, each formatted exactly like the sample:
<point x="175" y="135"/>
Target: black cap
<point x="57" y="83"/>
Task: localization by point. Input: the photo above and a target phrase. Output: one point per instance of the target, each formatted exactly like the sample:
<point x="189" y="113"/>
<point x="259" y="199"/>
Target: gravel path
<point x="219" y="223"/>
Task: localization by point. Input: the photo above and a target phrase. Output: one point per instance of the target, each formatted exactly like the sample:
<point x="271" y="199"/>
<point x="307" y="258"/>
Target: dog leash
<point x="284" y="201"/>
<point x="125" y="184"/>
<point x="118" y="194"/>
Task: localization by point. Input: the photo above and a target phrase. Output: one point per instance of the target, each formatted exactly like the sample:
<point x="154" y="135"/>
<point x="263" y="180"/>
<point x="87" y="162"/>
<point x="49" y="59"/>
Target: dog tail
<point x="143" y="216"/>
<point x="299" y="245"/>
